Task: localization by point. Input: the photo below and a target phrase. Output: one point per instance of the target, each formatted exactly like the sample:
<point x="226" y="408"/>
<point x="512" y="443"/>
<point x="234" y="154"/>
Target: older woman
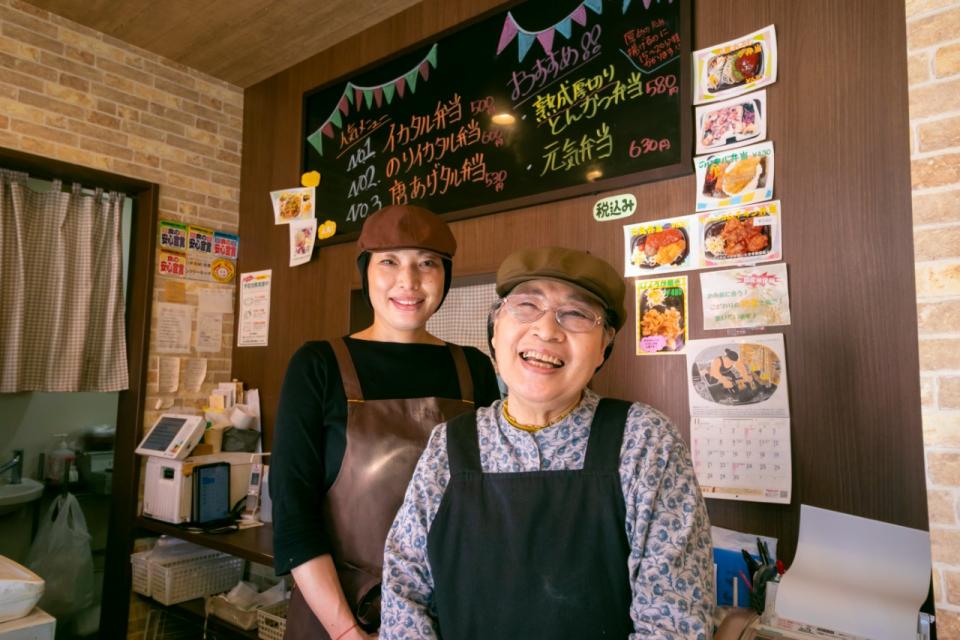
<point x="353" y="417"/>
<point x="554" y="513"/>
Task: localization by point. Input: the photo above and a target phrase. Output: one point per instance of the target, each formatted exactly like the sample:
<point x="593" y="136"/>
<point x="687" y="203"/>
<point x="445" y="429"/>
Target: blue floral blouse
<point x="671" y="558"/>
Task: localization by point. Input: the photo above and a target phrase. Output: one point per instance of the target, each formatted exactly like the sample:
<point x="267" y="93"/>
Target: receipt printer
<point x="169" y="487"/>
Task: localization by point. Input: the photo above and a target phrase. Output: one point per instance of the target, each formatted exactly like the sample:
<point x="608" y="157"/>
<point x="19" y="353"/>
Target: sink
<point x="14" y="496"/>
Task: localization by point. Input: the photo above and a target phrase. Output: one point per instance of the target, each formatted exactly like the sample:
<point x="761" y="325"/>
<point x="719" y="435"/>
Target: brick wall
<point x="74" y="94"/>
<point x="933" y="52"/>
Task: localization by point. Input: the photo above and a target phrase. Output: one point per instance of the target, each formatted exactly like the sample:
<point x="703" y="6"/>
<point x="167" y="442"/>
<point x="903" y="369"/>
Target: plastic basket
<point x="272" y="621"/>
<point x="185" y="576"/>
<point x="141" y="572"/>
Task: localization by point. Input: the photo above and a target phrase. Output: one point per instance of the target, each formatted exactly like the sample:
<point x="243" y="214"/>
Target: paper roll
<point x="240" y="418"/>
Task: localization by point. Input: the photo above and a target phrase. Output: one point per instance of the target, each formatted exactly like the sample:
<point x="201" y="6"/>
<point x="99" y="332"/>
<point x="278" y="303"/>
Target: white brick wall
<point x="933" y="54"/>
<point x="73" y="94"/>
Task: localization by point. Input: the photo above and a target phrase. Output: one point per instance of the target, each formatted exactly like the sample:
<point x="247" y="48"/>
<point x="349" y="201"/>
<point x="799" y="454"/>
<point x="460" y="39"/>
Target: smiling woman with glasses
<point x="553" y="513"/>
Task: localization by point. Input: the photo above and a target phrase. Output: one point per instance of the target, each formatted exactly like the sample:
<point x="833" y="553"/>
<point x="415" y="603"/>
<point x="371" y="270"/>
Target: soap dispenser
<point x="59" y="462"/>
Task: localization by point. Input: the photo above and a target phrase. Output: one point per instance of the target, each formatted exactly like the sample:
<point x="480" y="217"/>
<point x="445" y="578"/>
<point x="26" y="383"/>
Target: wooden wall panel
<point x="838" y="120"/>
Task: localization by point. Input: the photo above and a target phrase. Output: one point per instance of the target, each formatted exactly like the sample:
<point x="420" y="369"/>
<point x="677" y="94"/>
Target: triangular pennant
<point x="368" y="97"/>
<point x="626" y="5"/>
<point x="425" y="70"/>
<point x="335" y="119"/>
<point x="401" y="84"/>
<point x="524" y="40"/>
<point x="316" y="141"/>
<point x="546" y="40"/>
<point x="596" y="5"/>
<point x="349" y="95"/>
<point x="411" y="79"/>
<point x="508" y="33"/>
<point x="432" y="56"/>
<point x="327" y="130"/>
<point x="358" y="97"/>
<point x="388" y="90"/>
<point x="579" y="16"/>
<point x="378" y="95"/>
<point x="343" y="106"/>
<point x="564" y="26"/>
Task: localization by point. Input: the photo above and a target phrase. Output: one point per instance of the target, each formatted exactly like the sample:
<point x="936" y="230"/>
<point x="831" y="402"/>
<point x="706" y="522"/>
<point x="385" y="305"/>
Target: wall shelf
<point x="254" y="544"/>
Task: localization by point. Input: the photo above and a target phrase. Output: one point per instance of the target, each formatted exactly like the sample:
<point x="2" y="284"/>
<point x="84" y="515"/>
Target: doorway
<point x="130" y="403"/>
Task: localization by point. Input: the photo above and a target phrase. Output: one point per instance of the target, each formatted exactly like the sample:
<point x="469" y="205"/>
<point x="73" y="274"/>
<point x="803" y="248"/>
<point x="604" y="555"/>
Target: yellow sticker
<point x="222" y="270"/>
<point x="326" y="230"/>
<point x="310" y="179"/>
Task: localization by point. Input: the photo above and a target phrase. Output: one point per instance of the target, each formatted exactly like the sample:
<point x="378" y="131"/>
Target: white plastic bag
<point x="61" y="555"/>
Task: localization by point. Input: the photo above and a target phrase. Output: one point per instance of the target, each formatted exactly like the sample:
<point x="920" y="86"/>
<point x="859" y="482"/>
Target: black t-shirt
<point x="310" y="430"/>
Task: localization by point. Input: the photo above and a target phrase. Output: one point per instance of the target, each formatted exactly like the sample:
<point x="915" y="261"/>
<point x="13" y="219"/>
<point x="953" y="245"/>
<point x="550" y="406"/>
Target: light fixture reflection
<point x="594" y="174"/>
<point x="503" y="119"/>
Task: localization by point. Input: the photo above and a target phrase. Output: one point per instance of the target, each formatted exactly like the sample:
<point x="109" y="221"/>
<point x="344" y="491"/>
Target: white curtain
<point x="61" y="289"/>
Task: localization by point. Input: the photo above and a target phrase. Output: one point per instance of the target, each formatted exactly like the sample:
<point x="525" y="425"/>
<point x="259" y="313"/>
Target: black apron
<point x="539" y="554"/>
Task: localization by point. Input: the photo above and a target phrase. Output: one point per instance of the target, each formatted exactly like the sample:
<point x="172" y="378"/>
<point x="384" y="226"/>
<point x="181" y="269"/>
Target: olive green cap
<point x="578" y="268"/>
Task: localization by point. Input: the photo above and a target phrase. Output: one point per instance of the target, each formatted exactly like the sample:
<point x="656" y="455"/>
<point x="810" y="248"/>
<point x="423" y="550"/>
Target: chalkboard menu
<point x="545" y="101"/>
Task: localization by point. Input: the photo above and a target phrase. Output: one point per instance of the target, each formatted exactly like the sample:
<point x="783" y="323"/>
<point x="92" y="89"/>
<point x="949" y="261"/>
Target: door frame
<point x="115" y="603"/>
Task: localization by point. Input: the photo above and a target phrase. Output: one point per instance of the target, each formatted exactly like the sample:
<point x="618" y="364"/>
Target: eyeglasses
<point x="572" y="316"/>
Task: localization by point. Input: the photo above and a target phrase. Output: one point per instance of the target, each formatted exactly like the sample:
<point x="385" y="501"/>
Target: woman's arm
<point x="406" y="610"/>
<point x="320" y="587"/>
<point x="671" y="557"/>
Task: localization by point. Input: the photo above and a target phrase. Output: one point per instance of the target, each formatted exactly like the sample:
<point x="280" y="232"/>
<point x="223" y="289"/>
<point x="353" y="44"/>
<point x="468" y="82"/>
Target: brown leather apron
<point x="384" y="441"/>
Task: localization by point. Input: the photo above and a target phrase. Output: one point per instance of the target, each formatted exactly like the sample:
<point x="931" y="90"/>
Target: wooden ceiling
<point x="242" y="41"/>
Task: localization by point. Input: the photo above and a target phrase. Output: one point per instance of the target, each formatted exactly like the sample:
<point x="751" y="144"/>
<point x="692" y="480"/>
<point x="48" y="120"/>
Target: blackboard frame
<point x="684" y="166"/>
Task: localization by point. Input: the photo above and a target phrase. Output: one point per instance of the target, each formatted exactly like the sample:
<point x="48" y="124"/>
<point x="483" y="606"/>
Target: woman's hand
<point x="356" y="633"/>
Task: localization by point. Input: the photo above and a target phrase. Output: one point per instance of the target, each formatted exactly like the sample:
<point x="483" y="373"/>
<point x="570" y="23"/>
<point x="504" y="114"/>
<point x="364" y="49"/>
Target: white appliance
<point x="168" y="484"/>
<point x="172" y="436"/>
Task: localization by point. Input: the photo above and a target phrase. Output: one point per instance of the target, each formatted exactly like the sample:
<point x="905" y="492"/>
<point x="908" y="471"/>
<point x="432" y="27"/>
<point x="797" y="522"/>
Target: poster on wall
<point x="174" y="325"/>
<point x="303" y="233"/>
<point x="293" y="204"/>
<point x="226" y="248"/>
<point x="732" y="123"/>
<point x="660" y="246"/>
<point x="172" y="235"/>
<point x="661" y="315"/>
<point x="735" y="67"/>
<point x="740" y="418"/>
<point x="736" y="177"/>
<point x="745" y="297"/>
<point x="199" y="253"/>
<point x="741" y="235"/>
<point x="172" y="264"/>
<point x="253" y="325"/>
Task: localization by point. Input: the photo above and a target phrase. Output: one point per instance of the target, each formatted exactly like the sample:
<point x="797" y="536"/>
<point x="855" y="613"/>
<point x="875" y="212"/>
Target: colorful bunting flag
<point x="524" y="40"/>
<point x="511" y="30"/>
<point x="508" y="34"/>
<point x="546" y="40"/>
<point x="316" y="141"/>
